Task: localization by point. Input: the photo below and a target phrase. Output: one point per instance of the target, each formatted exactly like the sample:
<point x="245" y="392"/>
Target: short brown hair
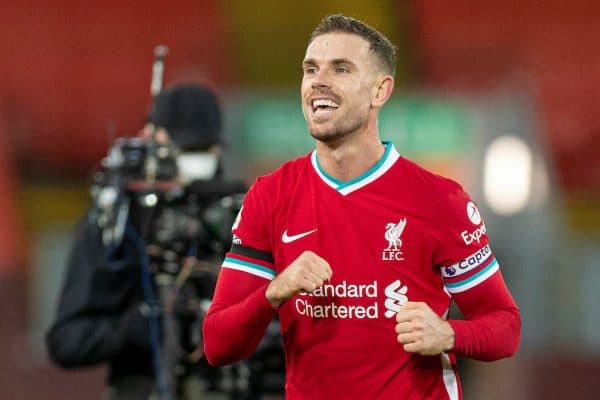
<point x="379" y="44"/>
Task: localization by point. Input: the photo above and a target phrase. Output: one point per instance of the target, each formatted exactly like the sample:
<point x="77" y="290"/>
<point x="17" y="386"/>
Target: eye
<point x="342" y="70"/>
<point x="310" y="70"/>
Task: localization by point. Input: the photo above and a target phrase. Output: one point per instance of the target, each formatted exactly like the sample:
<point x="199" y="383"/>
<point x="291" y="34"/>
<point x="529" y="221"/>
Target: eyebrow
<point x="335" y="61"/>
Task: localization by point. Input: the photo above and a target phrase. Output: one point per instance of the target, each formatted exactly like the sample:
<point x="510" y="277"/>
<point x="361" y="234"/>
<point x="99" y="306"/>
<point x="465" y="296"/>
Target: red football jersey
<point x="394" y="234"/>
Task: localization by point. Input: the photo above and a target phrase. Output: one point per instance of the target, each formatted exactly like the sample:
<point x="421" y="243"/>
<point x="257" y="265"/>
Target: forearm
<point x="233" y="330"/>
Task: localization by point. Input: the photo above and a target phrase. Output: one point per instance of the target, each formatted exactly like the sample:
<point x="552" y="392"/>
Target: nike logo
<point x="289" y="239"/>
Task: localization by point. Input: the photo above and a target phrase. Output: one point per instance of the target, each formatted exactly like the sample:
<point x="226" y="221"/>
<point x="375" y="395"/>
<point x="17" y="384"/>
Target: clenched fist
<point x="305" y="274"/>
<point x="422" y="331"/>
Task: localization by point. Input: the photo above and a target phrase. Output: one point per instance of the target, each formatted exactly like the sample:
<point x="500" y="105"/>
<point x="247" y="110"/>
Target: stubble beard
<point x="336" y="130"/>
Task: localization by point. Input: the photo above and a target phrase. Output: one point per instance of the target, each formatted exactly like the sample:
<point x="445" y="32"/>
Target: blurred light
<point x="150" y="200"/>
<point x="507" y="175"/>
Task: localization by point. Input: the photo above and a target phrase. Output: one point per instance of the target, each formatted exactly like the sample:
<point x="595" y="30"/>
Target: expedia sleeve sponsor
<point x="459" y="230"/>
<point x="473" y="236"/>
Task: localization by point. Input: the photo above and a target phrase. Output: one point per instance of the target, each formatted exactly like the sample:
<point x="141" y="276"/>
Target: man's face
<point x="339" y="76"/>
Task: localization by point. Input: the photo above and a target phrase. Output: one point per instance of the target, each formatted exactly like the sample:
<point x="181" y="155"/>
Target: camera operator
<point x="112" y="307"/>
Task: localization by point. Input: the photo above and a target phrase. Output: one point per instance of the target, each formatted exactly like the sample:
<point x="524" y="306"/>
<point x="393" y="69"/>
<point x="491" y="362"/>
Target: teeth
<point x="324" y="103"/>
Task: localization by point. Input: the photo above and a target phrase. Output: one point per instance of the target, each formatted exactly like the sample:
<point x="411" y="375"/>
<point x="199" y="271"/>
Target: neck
<point x="351" y="158"/>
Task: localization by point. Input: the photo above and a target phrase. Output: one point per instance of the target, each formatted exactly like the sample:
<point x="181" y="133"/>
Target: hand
<point x="422" y="331"/>
<point x="305" y="274"/>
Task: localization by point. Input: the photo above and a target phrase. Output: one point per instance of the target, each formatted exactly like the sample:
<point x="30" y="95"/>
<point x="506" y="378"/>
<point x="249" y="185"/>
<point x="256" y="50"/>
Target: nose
<point x="321" y="80"/>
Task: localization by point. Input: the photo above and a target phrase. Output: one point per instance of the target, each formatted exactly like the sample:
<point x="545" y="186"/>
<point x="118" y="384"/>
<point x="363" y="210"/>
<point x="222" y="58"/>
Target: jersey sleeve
<point x="240" y="313"/>
<point x="463" y="253"/>
<point x="471" y="274"/>
<point x="251" y="249"/>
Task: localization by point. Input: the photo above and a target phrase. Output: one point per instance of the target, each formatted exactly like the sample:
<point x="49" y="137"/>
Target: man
<point x="359" y="250"/>
<point x="105" y="313"/>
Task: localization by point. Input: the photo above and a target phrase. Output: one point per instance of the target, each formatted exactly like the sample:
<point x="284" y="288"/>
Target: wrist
<point x="450" y="338"/>
<point x="271" y="295"/>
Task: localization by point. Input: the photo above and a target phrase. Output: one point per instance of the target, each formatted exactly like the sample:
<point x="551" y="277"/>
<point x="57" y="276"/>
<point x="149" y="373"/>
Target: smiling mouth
<point x="323" y="106"/>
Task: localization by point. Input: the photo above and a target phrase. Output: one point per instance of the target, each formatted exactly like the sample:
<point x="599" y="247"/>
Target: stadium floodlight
<point x="507" y="175"/>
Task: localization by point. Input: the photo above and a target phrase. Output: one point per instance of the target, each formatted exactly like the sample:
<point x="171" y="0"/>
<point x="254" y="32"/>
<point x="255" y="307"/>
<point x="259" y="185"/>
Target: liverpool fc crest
<point x="392" y="235"/>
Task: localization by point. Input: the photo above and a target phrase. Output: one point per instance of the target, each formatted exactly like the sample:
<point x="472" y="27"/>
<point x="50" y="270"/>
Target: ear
<point x="382" y="90"/>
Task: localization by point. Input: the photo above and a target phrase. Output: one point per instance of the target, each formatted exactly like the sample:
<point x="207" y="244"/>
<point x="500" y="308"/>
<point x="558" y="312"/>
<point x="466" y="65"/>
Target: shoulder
<point x="288" y="172"/>
<point x="443" y="199"/>
<point x="420" y="177"/>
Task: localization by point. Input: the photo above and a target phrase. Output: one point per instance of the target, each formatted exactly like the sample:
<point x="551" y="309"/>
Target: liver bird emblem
<point x="393" y="233"/>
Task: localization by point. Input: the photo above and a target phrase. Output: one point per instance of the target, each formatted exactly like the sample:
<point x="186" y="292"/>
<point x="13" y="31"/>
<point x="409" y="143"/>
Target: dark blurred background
<point x="502" y="95"/>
